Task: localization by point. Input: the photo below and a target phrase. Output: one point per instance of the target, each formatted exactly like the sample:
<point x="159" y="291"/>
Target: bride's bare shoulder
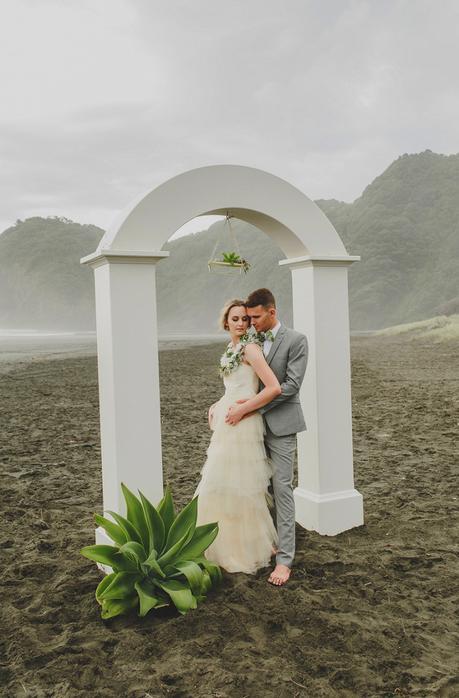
<point x="252" y="351"/>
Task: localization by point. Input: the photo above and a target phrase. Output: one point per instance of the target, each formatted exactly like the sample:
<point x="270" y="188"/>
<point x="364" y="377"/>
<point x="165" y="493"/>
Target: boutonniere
<point x="263" y="336"/>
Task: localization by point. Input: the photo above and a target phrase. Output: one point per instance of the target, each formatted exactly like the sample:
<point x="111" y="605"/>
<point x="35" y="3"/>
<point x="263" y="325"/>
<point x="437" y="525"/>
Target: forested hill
<point x="42" y="284"/>
<point x="405" y="226"/>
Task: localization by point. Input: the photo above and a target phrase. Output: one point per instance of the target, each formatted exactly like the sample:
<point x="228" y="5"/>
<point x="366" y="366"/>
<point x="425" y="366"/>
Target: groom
<point x="286" y="351"/>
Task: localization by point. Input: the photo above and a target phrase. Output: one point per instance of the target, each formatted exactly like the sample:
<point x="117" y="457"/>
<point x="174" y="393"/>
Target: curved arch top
<point x="283" y="212"/>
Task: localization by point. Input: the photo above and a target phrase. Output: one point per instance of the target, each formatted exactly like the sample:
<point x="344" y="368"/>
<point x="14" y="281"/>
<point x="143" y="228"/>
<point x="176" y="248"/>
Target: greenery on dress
<point x="232" y="356"/>
<point x="157" y="557"/>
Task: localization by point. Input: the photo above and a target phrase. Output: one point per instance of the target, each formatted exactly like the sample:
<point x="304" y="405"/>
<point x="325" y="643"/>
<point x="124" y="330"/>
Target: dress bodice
<point x="243" y="381"/>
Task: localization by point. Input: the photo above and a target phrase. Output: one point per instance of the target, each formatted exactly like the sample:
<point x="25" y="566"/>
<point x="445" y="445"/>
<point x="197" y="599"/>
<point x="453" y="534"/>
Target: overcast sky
<point x="104" y="99"/>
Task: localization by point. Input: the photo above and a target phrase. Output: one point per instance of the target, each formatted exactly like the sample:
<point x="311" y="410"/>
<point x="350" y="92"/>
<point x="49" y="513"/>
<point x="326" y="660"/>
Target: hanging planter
<point x="228" y="261"/>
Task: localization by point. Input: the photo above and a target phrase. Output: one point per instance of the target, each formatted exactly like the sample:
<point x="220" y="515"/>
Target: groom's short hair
<point x="262" y="296"/>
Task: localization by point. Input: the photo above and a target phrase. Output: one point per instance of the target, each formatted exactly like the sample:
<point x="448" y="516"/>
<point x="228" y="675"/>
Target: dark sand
<point x="367" y="613"/>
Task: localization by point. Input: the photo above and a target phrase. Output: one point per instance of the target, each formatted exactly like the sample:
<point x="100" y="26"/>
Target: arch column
<point x="325" y="499"/>
<point x="129" y="397"/>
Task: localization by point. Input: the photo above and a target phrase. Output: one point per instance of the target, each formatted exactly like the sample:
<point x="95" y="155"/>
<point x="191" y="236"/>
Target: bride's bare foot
<point x="280" y="575"/>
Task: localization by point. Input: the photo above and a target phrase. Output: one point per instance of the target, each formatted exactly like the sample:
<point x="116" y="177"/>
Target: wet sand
<point x="20" y="348"/>
<point x="370" y="612"/>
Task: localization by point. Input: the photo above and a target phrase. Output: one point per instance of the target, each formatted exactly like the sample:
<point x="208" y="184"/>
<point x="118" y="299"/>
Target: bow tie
<point x="266" y="336"/>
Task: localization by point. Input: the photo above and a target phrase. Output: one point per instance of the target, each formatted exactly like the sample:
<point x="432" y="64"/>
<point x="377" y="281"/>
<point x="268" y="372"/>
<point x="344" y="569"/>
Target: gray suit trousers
<point x="281" y="451"/>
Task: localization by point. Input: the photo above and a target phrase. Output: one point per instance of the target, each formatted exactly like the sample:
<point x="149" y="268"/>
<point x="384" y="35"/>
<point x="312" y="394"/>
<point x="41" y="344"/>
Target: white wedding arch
<point x="127" y="340"/>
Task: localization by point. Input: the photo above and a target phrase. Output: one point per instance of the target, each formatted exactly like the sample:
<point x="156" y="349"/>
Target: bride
<point x="233" y="489"/>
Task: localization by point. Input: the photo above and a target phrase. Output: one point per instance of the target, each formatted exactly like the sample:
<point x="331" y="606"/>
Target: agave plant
<point x="157" y="557"/>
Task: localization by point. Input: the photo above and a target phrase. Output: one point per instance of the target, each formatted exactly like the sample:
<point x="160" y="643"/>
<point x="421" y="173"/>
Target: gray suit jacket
<point x="288" y="358"/>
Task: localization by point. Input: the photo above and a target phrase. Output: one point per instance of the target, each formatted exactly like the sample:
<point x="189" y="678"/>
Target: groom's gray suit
<point x="284" y="418"/>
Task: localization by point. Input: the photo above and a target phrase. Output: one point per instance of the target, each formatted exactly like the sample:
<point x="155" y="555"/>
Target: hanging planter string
<point x="229" y="261"/>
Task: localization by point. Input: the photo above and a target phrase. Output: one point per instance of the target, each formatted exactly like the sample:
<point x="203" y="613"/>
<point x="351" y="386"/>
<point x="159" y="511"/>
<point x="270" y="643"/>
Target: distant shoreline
<point x="27" y="345"/>
<point x="31" y="333"/>
<point x="26" y="332"/>
<point x="178" y="337"/>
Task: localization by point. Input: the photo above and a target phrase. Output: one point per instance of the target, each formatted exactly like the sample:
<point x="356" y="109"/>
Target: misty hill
<point x="405" y="226"/>
<point x="42" y="284"/>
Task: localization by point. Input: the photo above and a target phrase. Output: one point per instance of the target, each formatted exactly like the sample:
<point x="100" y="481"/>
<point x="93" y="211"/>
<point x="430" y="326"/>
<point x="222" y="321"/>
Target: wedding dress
<point x="233" y="489"/>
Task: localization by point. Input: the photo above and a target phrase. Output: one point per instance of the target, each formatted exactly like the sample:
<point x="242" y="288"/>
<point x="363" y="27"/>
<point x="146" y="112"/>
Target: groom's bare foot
<point x="279" y="575"/>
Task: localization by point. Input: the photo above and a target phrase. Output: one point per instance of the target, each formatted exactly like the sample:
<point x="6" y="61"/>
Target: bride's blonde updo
<point x="236" y="302"/>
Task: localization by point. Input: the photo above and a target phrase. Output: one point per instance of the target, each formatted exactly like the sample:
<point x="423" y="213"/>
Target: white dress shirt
<point x="267" y="344"/>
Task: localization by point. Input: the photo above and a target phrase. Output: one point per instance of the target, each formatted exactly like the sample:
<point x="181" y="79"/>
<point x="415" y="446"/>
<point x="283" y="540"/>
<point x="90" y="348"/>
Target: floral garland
<point x="232" y="358"/>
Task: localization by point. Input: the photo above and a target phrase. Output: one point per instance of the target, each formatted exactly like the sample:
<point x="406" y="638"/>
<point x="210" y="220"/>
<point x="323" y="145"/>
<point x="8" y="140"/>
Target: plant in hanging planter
<point x="234" y="259"/>
<point x="157" y="557"/>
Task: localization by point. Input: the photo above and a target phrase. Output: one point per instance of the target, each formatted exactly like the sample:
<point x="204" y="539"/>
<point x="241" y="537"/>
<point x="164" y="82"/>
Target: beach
<point x="370" y="612"/>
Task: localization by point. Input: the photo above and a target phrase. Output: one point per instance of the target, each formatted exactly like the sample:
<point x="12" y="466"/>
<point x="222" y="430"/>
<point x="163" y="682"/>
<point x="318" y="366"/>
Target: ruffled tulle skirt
<point x="234" y="491"/>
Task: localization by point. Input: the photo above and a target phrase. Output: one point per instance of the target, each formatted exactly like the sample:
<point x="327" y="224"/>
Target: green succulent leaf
<point x="148" y="597"/>
<point x="121" y="587"/>
<point x="203" y="536"/>
<point x="130" y="530"/>
<point x="109" y="555"/>
<point x="116" y="607"/>
<point x="125" y="563"/>
<point x="106" y="554"/>
<point x="212" y="568"/>
<point x="206" y="582"/>
<point x="193" y="574"/>
<point x="174" y="552"/>
<point x="180" y="593"/>
<point x="135" y="514"/>
<point x="151" y="563"/>
<point x="106" y="581"/>
<point x="134" y="551"/>
<point x="166" y="510"/>
<point x="155" y="525"/>
<point x="115" y="532"/>
<point x="185" y="522"/>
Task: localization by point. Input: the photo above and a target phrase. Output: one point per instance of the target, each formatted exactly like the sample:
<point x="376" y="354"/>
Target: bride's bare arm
<point x="254" y="356"/>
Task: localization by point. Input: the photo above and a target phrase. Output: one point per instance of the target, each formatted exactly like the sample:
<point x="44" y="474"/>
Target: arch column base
<point x="330" y="513"/>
